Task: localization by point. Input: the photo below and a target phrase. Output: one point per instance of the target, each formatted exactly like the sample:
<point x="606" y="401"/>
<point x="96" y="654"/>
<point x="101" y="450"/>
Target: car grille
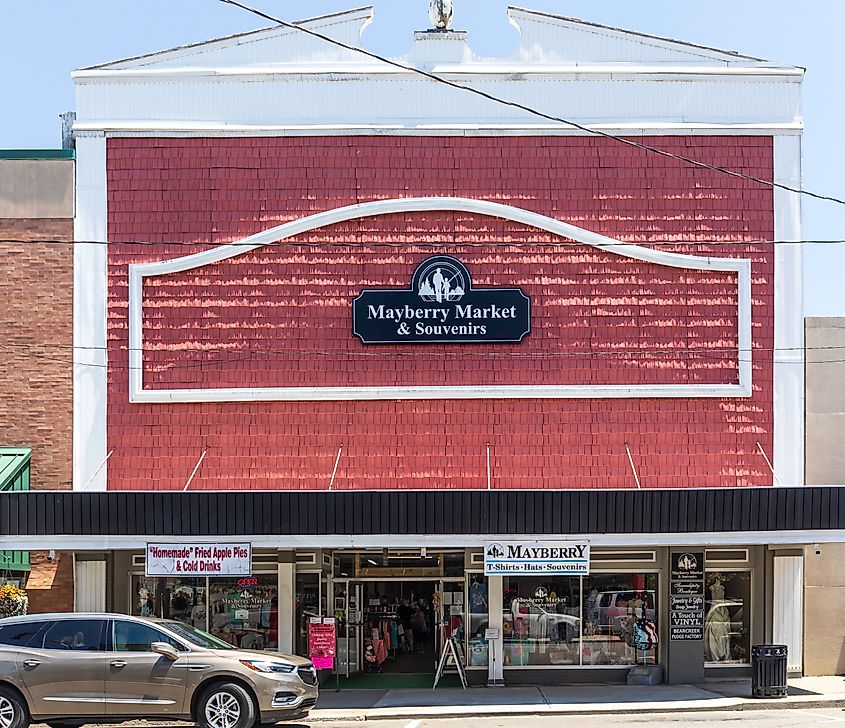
<point x="308" y="675"/>
<point x="310" y="703"/>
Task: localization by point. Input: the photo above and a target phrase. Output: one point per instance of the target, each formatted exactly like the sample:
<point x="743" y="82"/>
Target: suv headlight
<point x="268" y="666"/>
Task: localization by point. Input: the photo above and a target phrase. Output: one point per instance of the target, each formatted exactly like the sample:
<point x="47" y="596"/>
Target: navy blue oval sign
<point x="441" y="307"/>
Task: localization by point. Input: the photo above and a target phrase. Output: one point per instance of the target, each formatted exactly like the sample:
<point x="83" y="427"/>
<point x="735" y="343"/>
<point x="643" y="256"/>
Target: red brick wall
<point x="224" y="325"/>
<point x="36" y="336"/>
<point x="50" y="584"/>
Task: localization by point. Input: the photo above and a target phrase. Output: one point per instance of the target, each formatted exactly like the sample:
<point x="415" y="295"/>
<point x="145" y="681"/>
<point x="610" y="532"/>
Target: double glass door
<point x="353" y="599"/>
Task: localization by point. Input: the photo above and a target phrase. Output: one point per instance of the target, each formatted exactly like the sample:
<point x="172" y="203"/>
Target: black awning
<point x="368" y="513"/>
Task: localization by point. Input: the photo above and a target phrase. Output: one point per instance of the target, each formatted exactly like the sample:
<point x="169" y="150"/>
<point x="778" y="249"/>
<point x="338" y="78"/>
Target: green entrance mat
<point x="393" y="681"/>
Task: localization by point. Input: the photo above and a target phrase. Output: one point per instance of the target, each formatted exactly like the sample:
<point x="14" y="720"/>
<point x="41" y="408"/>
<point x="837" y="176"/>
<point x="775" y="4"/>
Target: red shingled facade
<point x="281" y="316"/>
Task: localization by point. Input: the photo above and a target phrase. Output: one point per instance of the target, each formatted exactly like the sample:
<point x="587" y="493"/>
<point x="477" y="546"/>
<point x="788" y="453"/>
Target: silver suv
<point x="70" y="669"/>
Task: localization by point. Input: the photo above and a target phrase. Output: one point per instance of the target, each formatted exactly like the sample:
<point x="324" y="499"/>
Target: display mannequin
<point x="717" y="639"/>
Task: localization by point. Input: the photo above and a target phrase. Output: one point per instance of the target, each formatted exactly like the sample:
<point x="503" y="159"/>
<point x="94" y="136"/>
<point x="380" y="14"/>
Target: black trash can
<point x="768" y="671"/>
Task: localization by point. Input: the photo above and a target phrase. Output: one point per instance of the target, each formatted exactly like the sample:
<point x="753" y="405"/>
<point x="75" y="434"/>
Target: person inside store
<point x="419" y="628"/>
<point x="405" y="612"/>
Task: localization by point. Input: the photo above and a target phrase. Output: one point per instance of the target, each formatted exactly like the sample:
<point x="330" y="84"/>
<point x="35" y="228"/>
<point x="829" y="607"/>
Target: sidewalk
<point x="359" y="705"/>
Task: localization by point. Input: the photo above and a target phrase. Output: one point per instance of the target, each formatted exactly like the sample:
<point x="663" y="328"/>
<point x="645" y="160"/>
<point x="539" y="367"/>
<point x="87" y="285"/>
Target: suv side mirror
<point x="165" y="650"/>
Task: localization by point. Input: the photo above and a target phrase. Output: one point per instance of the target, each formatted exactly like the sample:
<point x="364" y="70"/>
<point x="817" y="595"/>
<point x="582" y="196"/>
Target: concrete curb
<point x="415" y="713"/>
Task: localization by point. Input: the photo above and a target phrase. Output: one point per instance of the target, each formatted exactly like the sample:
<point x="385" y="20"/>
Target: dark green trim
<point x="37" y="154"/>
<point x="14" y="476"/>
<point x="14" y="468"/>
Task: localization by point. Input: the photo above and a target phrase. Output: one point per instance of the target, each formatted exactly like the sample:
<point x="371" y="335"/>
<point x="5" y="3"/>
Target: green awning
<point x="14" y="475"/>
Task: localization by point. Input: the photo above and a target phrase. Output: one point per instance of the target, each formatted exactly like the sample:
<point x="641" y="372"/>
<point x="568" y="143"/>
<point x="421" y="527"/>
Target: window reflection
<point x="541" y="620"/>
<point x="620" y="619"/>
<point x="726" y="617"/>
<point x="245" y="612"/>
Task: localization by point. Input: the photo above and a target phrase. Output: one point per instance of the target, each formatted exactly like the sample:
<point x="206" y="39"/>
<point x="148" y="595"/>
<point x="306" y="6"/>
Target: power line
<point x="730" y="355"/>
<point x="423" y="244"/>
<point x="531" y="110"/>
<point x="487" y="354"/>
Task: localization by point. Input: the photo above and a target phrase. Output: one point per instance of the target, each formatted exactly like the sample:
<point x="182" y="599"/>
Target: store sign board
<point x="201" y="559"/>
<point x="441" y="307"/>
<point x="552" y="558"/>
<point x="322" y="642"/>
<point x="686" y="598"/>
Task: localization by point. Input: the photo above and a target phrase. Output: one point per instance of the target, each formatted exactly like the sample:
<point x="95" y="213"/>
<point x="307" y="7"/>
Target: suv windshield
<point x="197" y="636"/>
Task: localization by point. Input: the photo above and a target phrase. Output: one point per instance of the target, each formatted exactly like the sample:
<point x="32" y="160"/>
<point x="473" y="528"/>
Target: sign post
<point x="686" y="617"/>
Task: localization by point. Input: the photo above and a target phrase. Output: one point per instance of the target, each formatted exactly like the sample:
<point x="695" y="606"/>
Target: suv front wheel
<point x="13" y="711"/>
<point x="224" y="705"/>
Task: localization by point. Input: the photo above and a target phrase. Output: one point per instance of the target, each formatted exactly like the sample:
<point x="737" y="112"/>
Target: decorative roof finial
<point x="440" y="12"/>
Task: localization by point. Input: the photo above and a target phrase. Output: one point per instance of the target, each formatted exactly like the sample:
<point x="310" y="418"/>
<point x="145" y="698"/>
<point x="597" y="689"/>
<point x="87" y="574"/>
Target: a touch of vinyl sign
<point x="441" y="307"/>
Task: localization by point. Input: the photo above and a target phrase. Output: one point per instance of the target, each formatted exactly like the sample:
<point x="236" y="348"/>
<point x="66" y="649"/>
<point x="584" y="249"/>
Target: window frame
<point x="170" y="639"/>
<point x="56" y="622"/>
<point x="653" y="569"/>
<point x="751" y="580"/>
<point x="43" y="624"/>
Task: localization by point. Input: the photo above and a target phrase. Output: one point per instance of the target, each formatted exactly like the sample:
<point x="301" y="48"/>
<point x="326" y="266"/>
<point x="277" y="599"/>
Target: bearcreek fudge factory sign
<point x="202" y="559"/>
<point x="441" y="307"/>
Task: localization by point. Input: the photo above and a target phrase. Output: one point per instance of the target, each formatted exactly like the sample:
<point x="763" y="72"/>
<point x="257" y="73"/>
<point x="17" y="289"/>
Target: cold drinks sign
<point x="201" y="559"/>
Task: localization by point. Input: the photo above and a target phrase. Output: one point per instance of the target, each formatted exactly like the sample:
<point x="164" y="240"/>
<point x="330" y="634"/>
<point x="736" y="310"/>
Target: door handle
<point x="32" y="663"/>
<point x="118" y="663"/>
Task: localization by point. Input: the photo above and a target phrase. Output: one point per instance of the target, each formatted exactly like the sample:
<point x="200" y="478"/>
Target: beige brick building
<point x="36" y="337"/>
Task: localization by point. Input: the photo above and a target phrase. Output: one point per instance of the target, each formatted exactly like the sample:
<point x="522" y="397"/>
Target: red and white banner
<point x="201" y="559"/>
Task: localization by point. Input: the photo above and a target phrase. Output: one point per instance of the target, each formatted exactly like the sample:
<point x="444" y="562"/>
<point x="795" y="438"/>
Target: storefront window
<point x="726" y="618"/>
<point x="477" y="654"/>
<point x="307" y="606"/>
<point x="541" y="620"/>
<point x="620" y="619"/>
<point x="179" y="599"/>
<point x="245" y="612"/>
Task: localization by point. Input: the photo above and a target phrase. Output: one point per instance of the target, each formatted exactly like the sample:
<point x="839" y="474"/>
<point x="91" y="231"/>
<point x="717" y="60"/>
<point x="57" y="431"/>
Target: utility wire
<point x="532" y="111"/>
<point x="229" y="346"/>
<point x="423" y="244"/>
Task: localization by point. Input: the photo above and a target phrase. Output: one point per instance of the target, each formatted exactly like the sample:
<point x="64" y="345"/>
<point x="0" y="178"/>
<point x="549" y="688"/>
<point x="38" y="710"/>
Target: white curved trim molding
<point x="139" y="271"/>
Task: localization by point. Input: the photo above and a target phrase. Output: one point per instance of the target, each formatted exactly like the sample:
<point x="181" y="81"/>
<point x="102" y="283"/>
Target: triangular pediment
<point x="266" y="47"/>
<point x="549" y="38"/>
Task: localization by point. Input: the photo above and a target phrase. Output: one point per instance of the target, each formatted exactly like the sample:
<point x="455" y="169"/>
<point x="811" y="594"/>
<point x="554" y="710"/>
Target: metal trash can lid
<point x="769" y="650"/>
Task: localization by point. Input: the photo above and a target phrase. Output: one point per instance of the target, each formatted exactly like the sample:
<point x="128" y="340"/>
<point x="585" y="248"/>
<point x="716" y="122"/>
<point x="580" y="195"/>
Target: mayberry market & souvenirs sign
<point x="441" y="307"/>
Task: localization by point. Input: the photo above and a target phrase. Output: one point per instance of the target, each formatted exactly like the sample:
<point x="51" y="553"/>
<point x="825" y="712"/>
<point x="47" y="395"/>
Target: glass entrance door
<point x="349" y="615"/>
<point x="452" y="613"/>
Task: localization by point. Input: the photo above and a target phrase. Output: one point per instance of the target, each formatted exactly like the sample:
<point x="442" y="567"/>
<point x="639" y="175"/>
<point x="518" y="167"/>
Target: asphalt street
<point x="794" y="718"/>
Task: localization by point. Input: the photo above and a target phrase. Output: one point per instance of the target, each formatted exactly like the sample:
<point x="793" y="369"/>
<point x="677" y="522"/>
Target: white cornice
<point x="314" y="72"/>
<point x="137" y="273"/>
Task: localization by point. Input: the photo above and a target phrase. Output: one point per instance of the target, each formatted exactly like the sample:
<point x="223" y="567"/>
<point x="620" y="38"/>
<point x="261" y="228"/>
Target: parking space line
<point x="829" y="718"/>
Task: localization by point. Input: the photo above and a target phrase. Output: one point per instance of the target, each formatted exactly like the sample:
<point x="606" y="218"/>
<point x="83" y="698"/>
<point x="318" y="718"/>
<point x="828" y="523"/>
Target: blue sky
<point x="46" y="39"/>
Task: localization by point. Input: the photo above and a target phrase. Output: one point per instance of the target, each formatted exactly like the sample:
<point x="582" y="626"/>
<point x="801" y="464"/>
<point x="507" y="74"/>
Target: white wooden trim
<point x="739" y="538"/>
<point x="90" y="315"/>
<point x="189" y="129"/>
<point x="89" y="586"/>
<point x="139" y="271"/>
<point x="490" y="72"/>
<point x="788" y="455"/>
<point x="788" y="612"/>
